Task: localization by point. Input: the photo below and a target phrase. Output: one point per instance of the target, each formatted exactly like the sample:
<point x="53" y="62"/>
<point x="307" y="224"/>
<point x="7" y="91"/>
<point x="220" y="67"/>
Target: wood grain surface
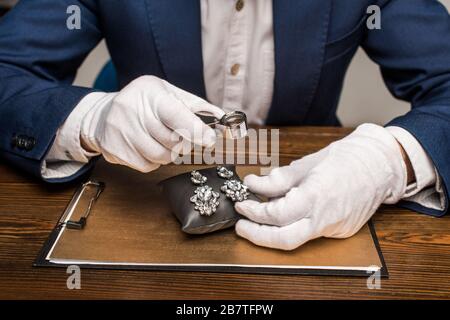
<point x="416" y="249"/>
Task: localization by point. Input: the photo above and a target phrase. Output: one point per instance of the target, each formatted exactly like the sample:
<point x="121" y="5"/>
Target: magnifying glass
<point x="233" y="125"/>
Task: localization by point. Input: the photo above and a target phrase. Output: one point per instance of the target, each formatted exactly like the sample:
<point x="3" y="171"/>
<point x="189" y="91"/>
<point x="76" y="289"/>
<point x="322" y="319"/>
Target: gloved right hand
<point x="140" y="125"/>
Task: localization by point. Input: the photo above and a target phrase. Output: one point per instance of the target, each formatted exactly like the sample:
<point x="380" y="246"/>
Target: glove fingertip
<point x="242" y="228"/>
<point x="251" y="180"/>
<point x="240" y="208"/>
<point x="244" y="207"/>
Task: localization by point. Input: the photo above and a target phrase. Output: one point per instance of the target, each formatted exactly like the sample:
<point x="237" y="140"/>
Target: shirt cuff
<point x="427" y="190"/>
<point x="66" y="156"/>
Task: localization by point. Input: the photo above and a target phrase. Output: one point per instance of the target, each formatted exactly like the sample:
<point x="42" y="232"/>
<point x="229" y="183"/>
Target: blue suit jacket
<point x="314" y="42"/>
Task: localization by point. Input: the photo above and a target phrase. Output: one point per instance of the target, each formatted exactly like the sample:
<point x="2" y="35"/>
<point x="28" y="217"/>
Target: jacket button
<point x="29" y="144"/>
<point x="23" y="142"/>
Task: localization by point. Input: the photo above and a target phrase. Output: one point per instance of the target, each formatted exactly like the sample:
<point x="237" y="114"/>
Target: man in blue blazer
<point x="282" y="62"/>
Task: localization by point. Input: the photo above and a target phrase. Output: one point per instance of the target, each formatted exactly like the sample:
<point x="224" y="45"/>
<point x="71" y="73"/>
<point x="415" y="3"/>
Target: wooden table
<point x="416" y="248"/>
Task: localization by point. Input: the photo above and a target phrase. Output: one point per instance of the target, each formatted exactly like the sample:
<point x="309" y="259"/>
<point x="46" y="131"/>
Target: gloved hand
<point x="140" y="125"/>
<point x="331" y="193"/>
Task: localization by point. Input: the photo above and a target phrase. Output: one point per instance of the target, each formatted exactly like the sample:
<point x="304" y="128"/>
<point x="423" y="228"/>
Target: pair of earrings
<point x="206" y="200"/>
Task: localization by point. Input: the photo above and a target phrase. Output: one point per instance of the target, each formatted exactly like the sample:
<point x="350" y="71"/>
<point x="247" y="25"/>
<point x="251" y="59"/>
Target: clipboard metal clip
<point x="81" y="223"/>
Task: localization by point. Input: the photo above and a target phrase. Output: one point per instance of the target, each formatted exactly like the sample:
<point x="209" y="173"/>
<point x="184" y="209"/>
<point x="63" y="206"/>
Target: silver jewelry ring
<point x="235" y="190"/>
<point x="197" y="178"/>
<point x="205" y="200"/>
<point x="223" y="172"/>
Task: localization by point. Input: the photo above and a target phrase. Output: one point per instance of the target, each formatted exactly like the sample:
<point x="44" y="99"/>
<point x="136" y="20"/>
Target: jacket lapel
<point x="176" y="26"/>
<point x="300" y="31"/>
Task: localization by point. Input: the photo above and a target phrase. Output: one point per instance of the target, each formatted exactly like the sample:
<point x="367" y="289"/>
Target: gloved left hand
<point x="331" y="193"/>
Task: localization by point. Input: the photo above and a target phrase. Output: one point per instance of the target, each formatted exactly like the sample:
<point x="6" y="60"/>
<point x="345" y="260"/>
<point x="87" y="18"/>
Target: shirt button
<point x="235" y="69"/>
<point x="239" y="5"/>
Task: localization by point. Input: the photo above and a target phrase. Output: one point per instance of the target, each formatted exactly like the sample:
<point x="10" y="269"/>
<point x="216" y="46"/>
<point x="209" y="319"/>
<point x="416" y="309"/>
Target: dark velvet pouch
<point x="178" y="191"/>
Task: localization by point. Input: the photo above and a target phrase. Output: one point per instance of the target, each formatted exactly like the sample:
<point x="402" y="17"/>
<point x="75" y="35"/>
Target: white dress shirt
<point x="238" y="55"/>
<point x="239" y="70"/>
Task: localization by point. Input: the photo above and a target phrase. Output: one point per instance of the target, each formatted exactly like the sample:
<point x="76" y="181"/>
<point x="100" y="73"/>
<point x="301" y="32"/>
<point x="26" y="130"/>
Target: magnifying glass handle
<point x="209" y="120"/>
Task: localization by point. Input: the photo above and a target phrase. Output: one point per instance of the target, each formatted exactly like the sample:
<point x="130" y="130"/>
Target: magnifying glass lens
<point x="235" y="124"/>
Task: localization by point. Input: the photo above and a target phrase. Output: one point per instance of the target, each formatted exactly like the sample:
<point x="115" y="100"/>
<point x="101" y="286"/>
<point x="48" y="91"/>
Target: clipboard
<point x="119" y="219"/>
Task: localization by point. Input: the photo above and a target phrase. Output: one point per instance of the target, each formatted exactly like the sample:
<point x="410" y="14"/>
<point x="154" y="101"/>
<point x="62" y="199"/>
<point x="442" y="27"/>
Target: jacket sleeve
<point x="413" y="51"/>
<point x="39" y="57"/>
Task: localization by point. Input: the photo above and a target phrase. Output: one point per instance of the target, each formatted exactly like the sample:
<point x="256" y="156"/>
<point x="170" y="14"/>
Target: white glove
<point x="331" y="193"/>
<point x="141" y="125"/>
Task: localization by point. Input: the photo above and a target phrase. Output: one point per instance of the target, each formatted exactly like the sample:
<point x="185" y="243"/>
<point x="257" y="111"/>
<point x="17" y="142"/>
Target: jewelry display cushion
<point x="179" y="189"/>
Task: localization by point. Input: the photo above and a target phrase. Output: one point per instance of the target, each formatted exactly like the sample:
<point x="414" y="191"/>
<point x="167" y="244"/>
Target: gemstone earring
<point x="223" y="172"/>
<point x="233" y="189"/>
<point x="197" y="178"/>
<point x="205" y="199"/>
